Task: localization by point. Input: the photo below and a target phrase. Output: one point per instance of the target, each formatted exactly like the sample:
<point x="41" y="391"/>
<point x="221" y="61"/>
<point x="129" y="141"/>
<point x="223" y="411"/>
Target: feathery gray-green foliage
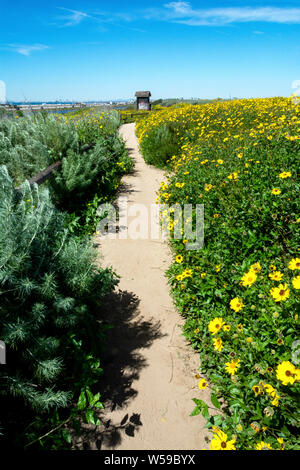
<point x="29" y="144"/>
<point x="49" y="287"/>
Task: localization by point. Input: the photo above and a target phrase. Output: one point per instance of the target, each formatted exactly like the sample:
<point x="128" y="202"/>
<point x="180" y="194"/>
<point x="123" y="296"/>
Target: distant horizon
<point x="130" y="100"/>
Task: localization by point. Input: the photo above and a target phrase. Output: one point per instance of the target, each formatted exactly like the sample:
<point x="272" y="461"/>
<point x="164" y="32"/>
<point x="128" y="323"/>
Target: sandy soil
<point x="149" y="371"/>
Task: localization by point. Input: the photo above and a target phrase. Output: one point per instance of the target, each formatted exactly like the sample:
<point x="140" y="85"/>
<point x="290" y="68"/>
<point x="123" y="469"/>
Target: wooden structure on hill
<point x="143" y="100"/>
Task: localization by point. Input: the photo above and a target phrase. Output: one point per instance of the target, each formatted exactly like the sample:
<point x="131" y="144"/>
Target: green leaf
<point x="215" y="401"/>
<point x="81" y="404"/>
<point x="99" y="405"/>
<point x="90" y="416"/>
<point x="196" y="411"/>
<point x="66" y="436"/>
<point x="205" y="412"/>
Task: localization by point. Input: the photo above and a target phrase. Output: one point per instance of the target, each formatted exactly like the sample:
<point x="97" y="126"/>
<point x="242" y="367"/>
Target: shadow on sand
<point x="122" y="362"/>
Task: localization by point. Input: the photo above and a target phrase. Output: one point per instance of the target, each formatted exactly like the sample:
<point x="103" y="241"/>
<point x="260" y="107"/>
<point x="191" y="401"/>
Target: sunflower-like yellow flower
<point x="202" y="384"/>
<point x="256" y="267"/>
<point x="249" y="278"/>
<point x="220" y="441"/>
<point x="296" y="282"/>
<point x="272" y="393"/>
<point x="218" y="344"/>
<point x="280" y="441"/>
<point x="280" y="293"/>
<point x="263" y="446"/>
<point x="287" y="373"/>
<point x="276" y="191"/>
<point x="236" y="304"/>
<point x="215" y="325"/>
<point x="179" y="259"/>
<point x="276" y="276"/>
<point x="294" y="264"/>
<point x="257" y="390"/>
<point x="232" y="367"/>
<point x="285" y="174"/>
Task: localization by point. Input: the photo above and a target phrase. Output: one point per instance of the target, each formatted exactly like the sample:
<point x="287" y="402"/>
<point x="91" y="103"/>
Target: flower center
<point x="282" y="292"/>
<point x="288" y="373"/>
<point x="223" y="445"/>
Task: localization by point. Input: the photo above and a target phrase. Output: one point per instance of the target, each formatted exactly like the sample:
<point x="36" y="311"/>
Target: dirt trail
<point x="149" y="373"/>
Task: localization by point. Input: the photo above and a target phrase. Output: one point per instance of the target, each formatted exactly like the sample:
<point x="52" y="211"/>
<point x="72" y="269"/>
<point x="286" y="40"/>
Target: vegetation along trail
<point x="150" y="369"/>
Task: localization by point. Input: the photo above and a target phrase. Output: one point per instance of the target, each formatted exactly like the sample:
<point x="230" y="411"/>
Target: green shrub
<point x="161" y="144"/>
<point x="83" y="175"/>
<point x="50" y="289"/>
<point x="28" y="145"/>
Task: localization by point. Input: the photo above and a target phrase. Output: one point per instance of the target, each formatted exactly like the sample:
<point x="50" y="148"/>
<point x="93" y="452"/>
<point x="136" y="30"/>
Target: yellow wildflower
<point x="202" y="384"/>
<point x="232" y="367"/>
<point x="285" y="174"/>
<point x="286" y="372"/>
<point x="220" y="441"/>
<point x="249" y="278"/>
<point x="296" y="282"/>
<point x="263" y="446"/>
<point x="256" y="267"/>
<point x="294" y="264"/>
<point x="218" y="344"/>
<point x="215" y="325"/>
<point x="276" y="276"/>
<point x="276" y="191"/>
<point x="280" y="293"/>
<point x="236" y="304"/>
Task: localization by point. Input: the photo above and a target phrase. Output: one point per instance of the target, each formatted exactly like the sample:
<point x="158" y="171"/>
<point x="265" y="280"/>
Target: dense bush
<point x="160" y="131"/>
<point x="50" y="290"/>
<point x="239" y="294"/>
<point x="93" y="158"/>
<point x="83" y="175"/>
<point x="159" y="146"/>
<point x="28" y="145"/>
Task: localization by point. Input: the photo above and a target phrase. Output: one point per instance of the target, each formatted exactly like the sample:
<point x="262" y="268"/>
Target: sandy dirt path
<point x="149" y="371"/>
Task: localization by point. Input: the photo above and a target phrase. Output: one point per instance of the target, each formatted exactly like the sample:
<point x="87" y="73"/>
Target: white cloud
<point x="74" y="17"/>
<point x="27" y="49"/>
<point x="183" y="12"/>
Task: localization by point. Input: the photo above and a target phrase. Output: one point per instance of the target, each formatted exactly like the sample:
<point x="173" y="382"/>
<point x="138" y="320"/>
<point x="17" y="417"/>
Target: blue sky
<point x="93" y="50"/>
